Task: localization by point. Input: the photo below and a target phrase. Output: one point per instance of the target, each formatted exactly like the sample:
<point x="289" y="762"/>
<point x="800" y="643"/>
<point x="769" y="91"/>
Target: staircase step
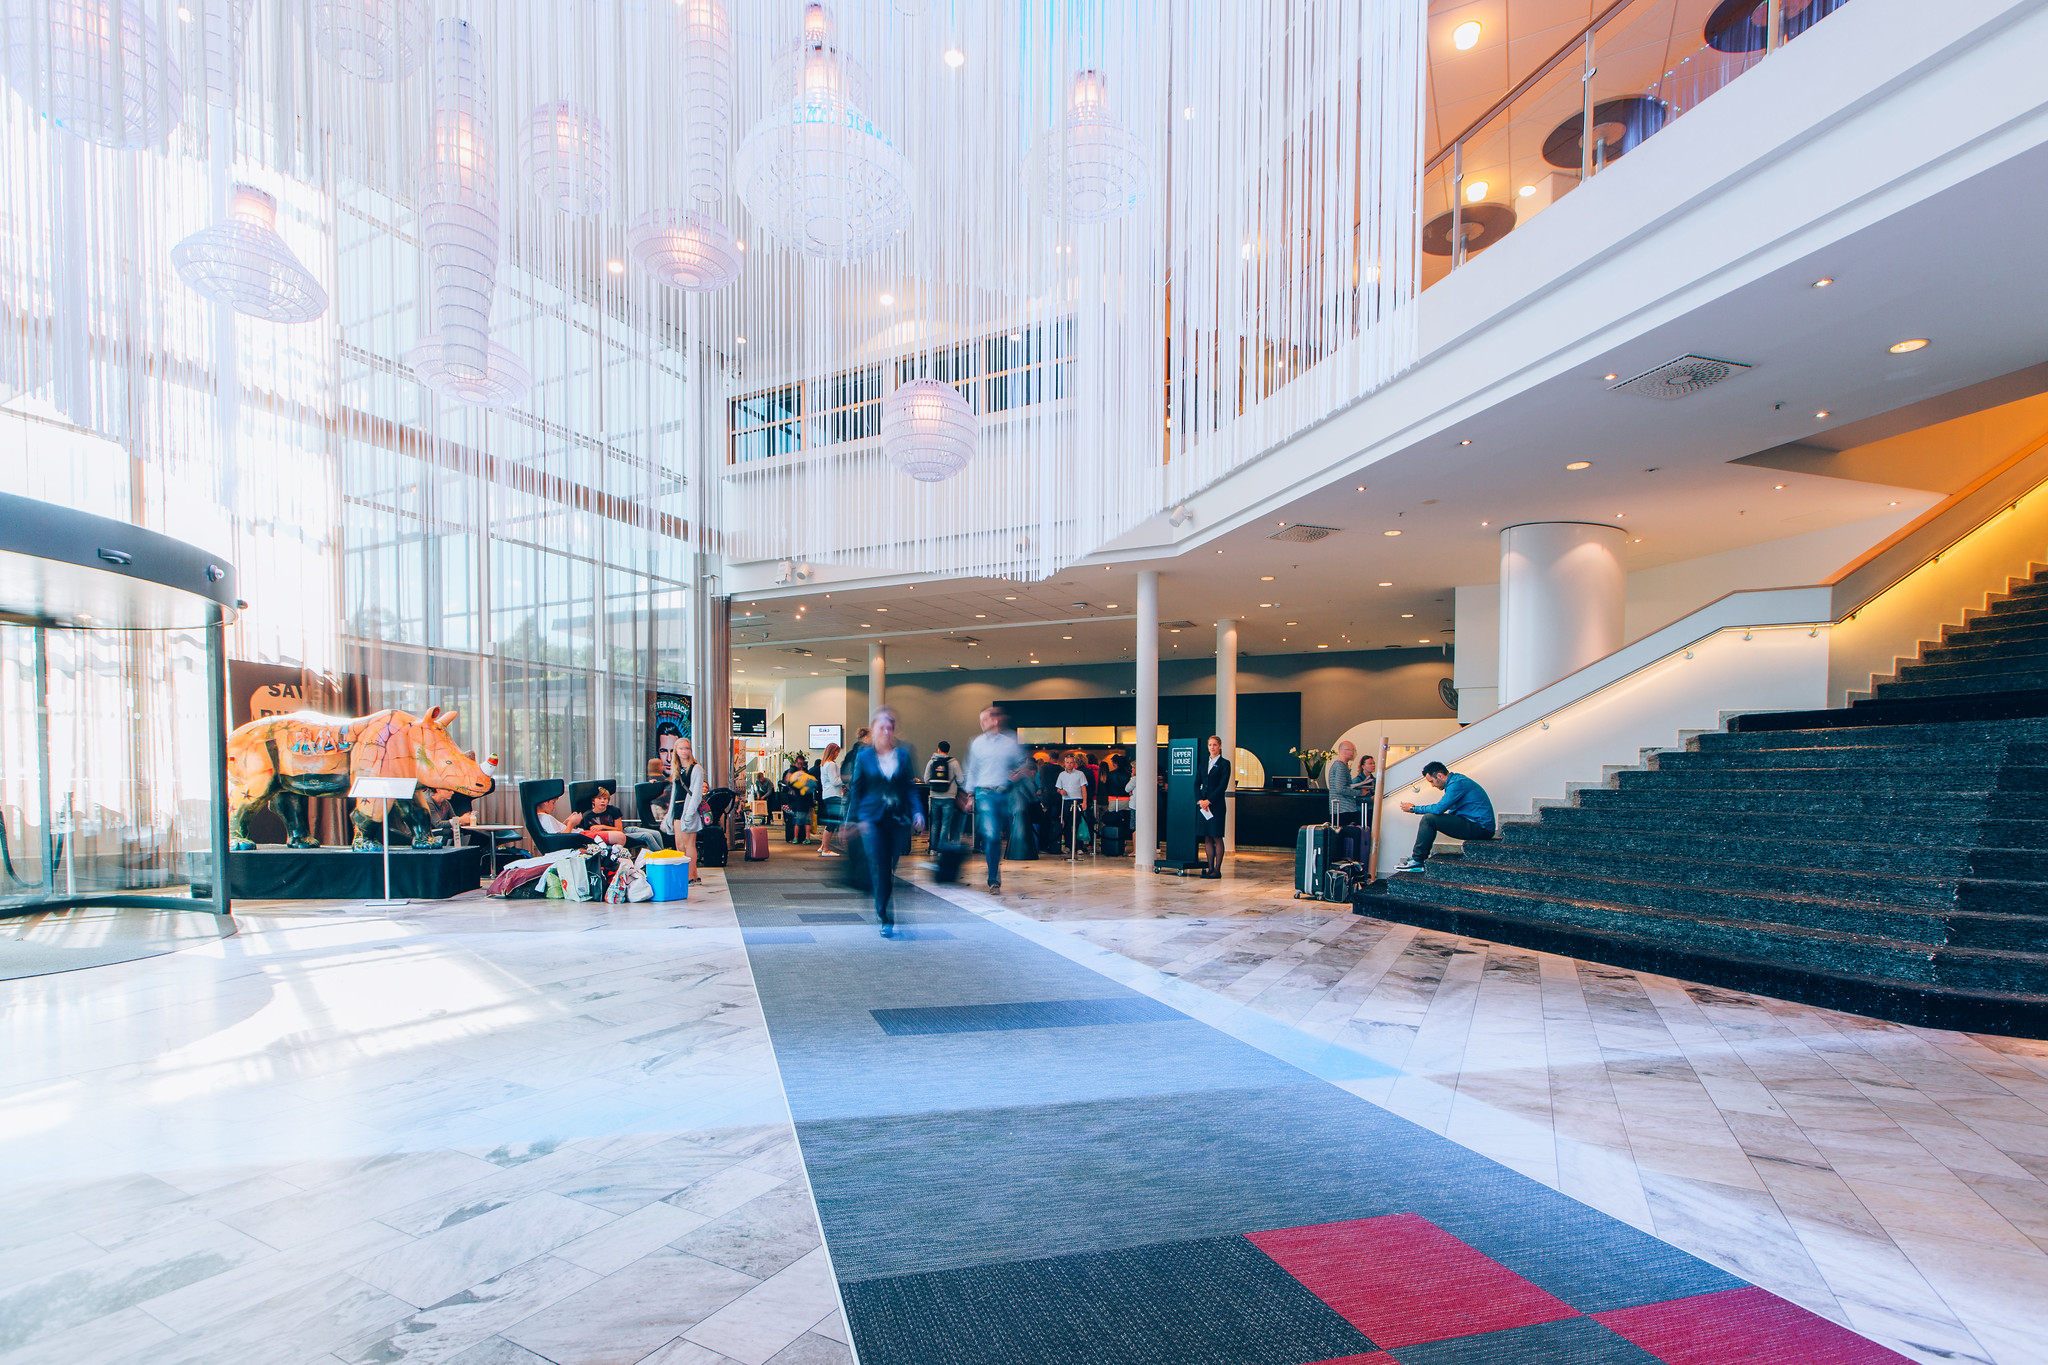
<point x="2022" y="603"/>
<point x="1951" y="689"/>
<point x="2026" y="671"/>
<point x="1793" y="945"/>
<point x="1712" y="765"/>
<point x="1923" y="778"/>
<point x="1963" y="649"/>
<point x="2021" y="1013"/>
<point x="1929" y="891"/>
<point x="1980" y="717"/>
<point x="2011" y="625"/>
<point x="1924" y="831"/>
<point x="1894" y="805"/>
<point x="1782" y="850"/>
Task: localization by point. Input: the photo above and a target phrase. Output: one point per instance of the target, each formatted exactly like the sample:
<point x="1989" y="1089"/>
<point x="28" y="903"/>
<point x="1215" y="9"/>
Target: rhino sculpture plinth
<point x="279" y="761"/>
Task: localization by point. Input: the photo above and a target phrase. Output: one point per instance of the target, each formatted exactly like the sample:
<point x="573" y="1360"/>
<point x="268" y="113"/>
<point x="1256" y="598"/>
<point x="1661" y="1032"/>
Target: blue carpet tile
<point x="835" y="917"/>
<point x="778" y="936"/>
<point x="1018" y="1160"/>
<point x="1022" y="1014"/>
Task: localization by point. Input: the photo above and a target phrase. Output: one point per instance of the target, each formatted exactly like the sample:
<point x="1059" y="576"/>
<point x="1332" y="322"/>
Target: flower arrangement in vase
<point x="1312" y="760"/>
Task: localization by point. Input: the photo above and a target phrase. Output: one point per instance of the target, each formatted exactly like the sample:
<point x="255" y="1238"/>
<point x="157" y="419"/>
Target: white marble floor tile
<point x="758" y="1325"/>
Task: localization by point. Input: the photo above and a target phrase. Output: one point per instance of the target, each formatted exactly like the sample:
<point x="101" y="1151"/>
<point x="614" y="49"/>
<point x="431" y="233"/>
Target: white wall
<point x="1476" y="670"/>
<point x="804" y="702"/>
<point x="1659" y="596"/>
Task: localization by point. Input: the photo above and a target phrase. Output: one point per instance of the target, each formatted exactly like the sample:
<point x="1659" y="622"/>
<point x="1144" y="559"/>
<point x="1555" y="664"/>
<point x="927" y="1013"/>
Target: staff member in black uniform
<point x="1215" y="781"/>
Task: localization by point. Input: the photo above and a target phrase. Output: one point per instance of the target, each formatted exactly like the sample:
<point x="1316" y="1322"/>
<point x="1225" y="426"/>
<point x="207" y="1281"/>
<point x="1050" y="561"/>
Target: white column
<point x="1226" y="717"/>
<point x="1145" y="761"/>
<point x="1562" y="591"/>
<point x="878" y="676"/>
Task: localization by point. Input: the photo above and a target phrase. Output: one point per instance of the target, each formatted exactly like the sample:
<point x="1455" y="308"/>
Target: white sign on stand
<point x="386" y="789"/>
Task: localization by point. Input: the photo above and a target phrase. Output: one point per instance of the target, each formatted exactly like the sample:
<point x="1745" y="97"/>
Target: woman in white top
<point x="832" y="792"/>
<point x="685" y="784"/>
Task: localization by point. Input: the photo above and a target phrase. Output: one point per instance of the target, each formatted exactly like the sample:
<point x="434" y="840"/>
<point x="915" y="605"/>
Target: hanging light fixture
<point x="223" y="30"/>
<point x="1097" y="171"/>
<point x="707" y="36"/>
<point x="379" y="40"/>
<point x="243" y="263"/>
<point x="459" y="208"/>
<point x="692" y="251"/>
<point x="816" y="172"/>
<point x="503" y="381"/>
<point x="566" y="158"/>
<point x="97" y="68"/>
<point x="928" y="431"/>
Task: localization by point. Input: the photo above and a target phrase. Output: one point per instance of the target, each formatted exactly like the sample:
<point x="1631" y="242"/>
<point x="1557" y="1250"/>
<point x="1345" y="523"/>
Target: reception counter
<point x="1269" y="819"/>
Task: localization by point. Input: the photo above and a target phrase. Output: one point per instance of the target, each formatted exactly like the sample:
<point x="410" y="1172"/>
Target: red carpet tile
<point x="1738" y="1325"/>
<point x="1402" y="1279"/>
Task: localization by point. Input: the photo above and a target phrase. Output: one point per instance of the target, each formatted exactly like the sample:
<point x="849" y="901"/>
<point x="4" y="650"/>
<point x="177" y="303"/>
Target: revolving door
<point x="113" y="765"/>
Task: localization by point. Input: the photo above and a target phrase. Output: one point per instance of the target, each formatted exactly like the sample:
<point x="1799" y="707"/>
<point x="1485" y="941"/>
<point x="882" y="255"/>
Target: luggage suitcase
<point x="711" y="846"/>
<point x="1311" y="860"/>
<point x="1350" y="844"/>
<point x="950" y="857"/>
<point x="757" y="843"/>
<point x="1343" y="881"/>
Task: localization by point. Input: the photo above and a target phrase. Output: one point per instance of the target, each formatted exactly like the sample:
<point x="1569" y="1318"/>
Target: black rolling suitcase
<point x="1312" y="850"/>
<point x="711" y="846"/>
<point x="948" y="860"/>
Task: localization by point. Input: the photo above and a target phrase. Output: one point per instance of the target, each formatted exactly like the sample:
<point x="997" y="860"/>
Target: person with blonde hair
<point x="683" y="814"/>
<point x="831" y="801"/>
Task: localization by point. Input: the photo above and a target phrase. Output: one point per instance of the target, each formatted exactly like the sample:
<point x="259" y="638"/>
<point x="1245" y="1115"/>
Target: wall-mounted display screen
<point x="751" y="721"/>
<point x="1091" y="734"/>
<point x="1041" y="734"/>
<point x="1128" y="734"/>
<point x="822" y="735"/>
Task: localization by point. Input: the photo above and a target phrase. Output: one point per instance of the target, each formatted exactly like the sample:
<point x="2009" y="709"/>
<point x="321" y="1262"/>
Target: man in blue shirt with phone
<point x="1464" y="813"/>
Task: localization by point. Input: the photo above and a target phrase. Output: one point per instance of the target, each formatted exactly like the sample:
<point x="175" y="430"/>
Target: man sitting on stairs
<point x="1463" y="813"/>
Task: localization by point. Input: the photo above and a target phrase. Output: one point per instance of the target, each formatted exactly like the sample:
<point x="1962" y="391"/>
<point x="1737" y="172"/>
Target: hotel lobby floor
<point x="497" y="1133"/>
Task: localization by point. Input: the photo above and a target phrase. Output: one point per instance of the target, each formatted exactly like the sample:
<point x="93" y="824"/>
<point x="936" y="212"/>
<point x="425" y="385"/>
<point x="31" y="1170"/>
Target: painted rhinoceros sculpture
<point x="279" y="761"/>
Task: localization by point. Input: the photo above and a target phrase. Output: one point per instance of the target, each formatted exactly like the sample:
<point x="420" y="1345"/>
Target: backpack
<point x="942" y="773"/>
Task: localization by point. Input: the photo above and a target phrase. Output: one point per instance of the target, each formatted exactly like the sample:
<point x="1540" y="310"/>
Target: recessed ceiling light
<point x="1110" y="605"/>
<point x="1173" y="630"/>
<point x="1422" y="642"/>
<point x="1361" y="488"/>
<point x="1322" y="646"/>
<point x="1465" y="443"/>
<point x="1610" y="377"/>
<point x="1407" y="616"/>
<point x="1265" y="604"/>
<point x="1386" y="585"/>
<point x="877" y="608"/>
<point x="1486" y="523"/>
<point x="1526" y="191"/>
<point x="1779" y="486"/>
<point x="888" y="300"/>
<point x="1066" y="637"/>
<point x="1390" y="533"/>
<point x="1465" y="36"/>
<point x="1822" y="413"/>
<point x="981" y="616"/>
<point x="1908" y="347"/>
<point x="1891" y="504"/>
<point x="1580" y="464"/>
<point x="1294" y="623"/>
<point x="952" y="665"/>
<point x="955" y="58"/>
<point x="1265" y="578"/>
<point x="1823" y="282"/>
<point x="1475" y="191"/>
<point x="616" y="267"/>
<point x="1010" y="599"/>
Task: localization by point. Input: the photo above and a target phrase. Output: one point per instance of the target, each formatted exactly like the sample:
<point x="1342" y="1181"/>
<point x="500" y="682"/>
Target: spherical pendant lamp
<point x="816" y="172"/>
<point x="928" y="431"/>
<point x="379" y="40"/>
<point x="244" y="264"/>
<point x="566" y="158"/>
<point x="98" y="69"/>
<point x="1097" y="171"/>
<point x="707" y="37"/>
<point x="503" y="381"/>
<point x="692" y="251"/>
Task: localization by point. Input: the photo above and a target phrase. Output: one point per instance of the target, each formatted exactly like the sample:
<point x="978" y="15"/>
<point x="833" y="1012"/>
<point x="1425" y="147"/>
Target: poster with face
<point x="670" y="722"/>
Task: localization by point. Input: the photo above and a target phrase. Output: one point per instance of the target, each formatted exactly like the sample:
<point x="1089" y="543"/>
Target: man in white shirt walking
<point x="994" y="761"/>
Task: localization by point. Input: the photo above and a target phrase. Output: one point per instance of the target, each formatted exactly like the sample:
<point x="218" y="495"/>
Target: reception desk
<point x="1269" y="819"/>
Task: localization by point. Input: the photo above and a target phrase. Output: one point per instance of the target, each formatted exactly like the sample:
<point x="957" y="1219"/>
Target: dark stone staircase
<point x="1889" y="858"/>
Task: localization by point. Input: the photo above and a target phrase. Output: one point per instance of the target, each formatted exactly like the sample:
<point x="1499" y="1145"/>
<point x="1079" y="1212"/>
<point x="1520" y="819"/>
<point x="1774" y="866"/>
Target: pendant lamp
<point x="928" y="431"/>
<point x="707" y="36"/>
<point x="98" y="69"/>
<point x="1097" y="171"/>
<point x="503" y="380"/>
<point x="379" y="40"/>
<point x="816" y="172"/>
<point x="566" y="158"/>
<point x="223" y="31"/>
<point x="692" y="251"/>
<point x="243" y="263"/>
<point x="459" y="208"/>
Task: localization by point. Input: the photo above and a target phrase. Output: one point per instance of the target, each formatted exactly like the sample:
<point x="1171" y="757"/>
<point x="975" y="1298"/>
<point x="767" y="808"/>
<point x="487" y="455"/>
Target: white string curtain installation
<point x="1294" y="220"/>
<point x="1146" y="242"/>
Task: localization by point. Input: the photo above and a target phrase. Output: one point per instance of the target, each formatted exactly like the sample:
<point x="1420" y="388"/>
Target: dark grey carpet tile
<point x="1573" y="1341"/>
<point x="834" y="917"/>
<point x="752" y="936"/>
<point x="1023" y="1014"/>
<point x="1217" y="1301"/>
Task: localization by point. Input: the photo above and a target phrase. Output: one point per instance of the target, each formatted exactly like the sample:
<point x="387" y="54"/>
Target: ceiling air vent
<point x="1302" y="533"/>
<point x="1682" y="377"/>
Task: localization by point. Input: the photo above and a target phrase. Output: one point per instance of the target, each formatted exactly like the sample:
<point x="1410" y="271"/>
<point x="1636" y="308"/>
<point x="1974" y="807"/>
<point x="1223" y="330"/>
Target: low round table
<point x="496" y="834"/>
